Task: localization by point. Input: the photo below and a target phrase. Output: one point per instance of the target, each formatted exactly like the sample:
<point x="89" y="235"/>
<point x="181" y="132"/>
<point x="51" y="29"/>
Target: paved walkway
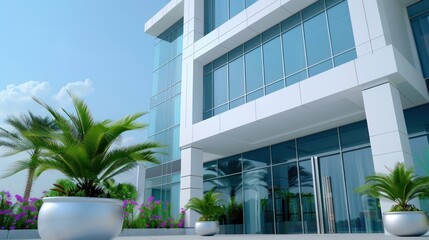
<point x="279" y="237"/>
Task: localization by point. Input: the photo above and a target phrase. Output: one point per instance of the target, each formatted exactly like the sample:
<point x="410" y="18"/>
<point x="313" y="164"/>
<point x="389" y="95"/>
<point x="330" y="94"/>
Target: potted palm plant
<point x="84" y="150"/>
<point x="210" y="210"/>
<point x="401" y="186"/>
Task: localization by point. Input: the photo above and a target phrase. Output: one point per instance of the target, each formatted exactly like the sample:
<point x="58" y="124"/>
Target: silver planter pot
<point x="207" y="228"/>
<point x="72" y="218"/>
<point x="406" y="223"/>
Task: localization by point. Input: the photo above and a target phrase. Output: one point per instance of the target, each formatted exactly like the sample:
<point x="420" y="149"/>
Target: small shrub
<point x="19" y="215"/>
<point x="150" y="214"/>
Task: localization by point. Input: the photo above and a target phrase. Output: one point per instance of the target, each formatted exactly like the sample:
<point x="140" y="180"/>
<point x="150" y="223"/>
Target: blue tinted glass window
<point x="312" y="41"/>
<point x="220" y="86"/>
<point x="236" y="78"/>
<point x="420" y="25"/>
<point x="229" y="165"/>
<point x="313" y="9"/>
<point x="236" y="6"/>
<point x="256" y="159"/>
<point x="354" y="134"/>
<point x="340" y="28"/>
<point x="208" y="91"/>
<point x="283" y="152"/>
<point x="236" y="103"/>
<point x="317" y="143"/>
<point x="292" y="79"/>
<point x="250" y="2"/>
<point x="293" y="50"/>
<point x="220" y="109"/>
<point x="345" y="57"/>
<point x="317" y="39"/>
<point x="253" y="65"/>
<point x="291" y="22"/>
<point x="273" y="66"/>
<point x="271" y="33"/>
<point x="274" y="87"/>
<point x="208" y="16"/>
<point x="220" y="12"/>
<point x="254" y="95"/>
<point x="321" y="67"/>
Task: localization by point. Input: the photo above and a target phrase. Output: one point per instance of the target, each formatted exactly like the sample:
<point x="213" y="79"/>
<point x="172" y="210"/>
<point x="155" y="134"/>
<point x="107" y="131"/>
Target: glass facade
<point x="314" y="40"/>
<point x="419" y="18"/>
<point x="216" y="12"/>
<point x="162" y="180"/>
<point x="272" y="189"/>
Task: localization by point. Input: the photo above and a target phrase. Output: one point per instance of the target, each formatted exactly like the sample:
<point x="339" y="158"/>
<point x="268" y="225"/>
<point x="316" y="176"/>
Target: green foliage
<point x="209" y="206"/>
<point x="401" y="185"/>
<point x="151" y="214"/>
<point x="121" y="191"/>
<point x="16" y="141"/>
<point x="84" y="149"/>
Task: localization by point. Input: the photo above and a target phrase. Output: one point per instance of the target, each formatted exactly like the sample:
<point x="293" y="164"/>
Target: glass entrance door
<point x="332" y="198"/>
<point x="340" y="209"/>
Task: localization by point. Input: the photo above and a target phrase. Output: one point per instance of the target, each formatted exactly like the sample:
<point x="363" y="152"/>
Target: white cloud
<point x="79" y="89"/>
<point x="17" y="98"/>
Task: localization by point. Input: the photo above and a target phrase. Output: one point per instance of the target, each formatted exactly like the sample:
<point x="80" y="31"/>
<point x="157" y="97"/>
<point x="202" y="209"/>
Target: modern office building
<point x="285" y="106"/>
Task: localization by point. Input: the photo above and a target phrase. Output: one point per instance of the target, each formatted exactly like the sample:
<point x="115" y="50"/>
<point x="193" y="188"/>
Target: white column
<point x="141" y="182"/>
<point x="387" y="130"/>
<point x="191" y="181"/>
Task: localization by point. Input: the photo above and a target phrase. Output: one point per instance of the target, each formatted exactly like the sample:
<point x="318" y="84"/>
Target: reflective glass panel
<point x="420" y="151"/>
<point x="354" y="134"/>
<point x="333" y="196"/>
<point x="286" y="198"/>
<point x="220" y="12"/>
<point x="340" y="28"/>
<point x="420" y="25"/>
<point x="258" y="202"/>
<point x="273" y="66"/>
<point x="318" y="143"/>
<point x="220" y="86"/>
<point x="365" y="215"/>
<point x="253" y="65"/>
<point x="317" y="39"/>
<point x="210" y="170"/>
<point x="236" y="78"/>
<point x="293" y="50"/>
<point x="236" y="6"/>
<point x="231" y="190"/>
<point x="256" y="158"/>
<point x="308" y="202"/>
<point x="229" y="165"/>
<point x="283" y="152"/>
<point x="208" y="91"/>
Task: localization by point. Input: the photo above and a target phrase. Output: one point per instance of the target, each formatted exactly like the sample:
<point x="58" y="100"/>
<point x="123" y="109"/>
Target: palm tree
<point x="209" y="206"/>
<point x="84" y="149"/>
<point x="16" y="141"/>
<point x="401" y="185"/>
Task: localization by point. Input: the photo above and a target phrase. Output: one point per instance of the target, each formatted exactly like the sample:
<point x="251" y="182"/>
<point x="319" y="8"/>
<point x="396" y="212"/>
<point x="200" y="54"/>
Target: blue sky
<point x="97" y="49"/>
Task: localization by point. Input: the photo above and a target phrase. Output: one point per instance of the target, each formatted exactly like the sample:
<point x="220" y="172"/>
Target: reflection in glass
<point x="333" y="197"/>
<point x="273" y="66"/>
<point x="253" y="65"/>
<point x="308" y="203"/>
<point x="420" y="151"/>
<point x="286" y="198"/>
<point x="365" y="216"/>
<point x="258" y="205"/>
<point x="220" y="86"/>
<point x="232" y="196"/>
<point x="236" y="78"/>
<point x="256" y="158"/>
<point x="317" y="39"/>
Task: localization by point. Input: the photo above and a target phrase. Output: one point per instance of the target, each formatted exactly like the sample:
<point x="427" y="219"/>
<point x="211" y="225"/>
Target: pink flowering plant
<point x="151" y="214"/>
<point x="19" y="215"/>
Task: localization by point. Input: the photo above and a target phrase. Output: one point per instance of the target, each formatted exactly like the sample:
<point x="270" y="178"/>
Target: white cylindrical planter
<point x="71" y="218"/>
<point x="414" y="223"/>
<point x="208" y="228"/>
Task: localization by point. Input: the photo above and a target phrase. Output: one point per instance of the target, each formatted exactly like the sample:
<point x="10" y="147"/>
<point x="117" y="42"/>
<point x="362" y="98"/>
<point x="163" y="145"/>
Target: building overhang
<point x="166" y="17"/>
<point x="327" y="100"/>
